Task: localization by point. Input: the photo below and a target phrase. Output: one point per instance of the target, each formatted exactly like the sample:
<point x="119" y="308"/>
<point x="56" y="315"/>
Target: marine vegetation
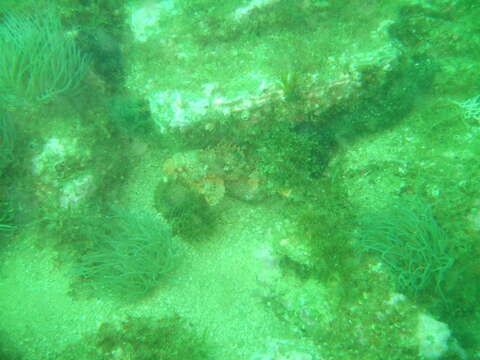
<point x="39" y="60"/>
<point x="408" y="240"/>
<point x="139" y="338"/>
<point x="8" y="349"/>
<point x="7" y="225"/>
<point x="291" y="155"/>
<point x="186" y="211"/>
<point x="7" y="140"/>
<point x="129" y="115"/>
<point x="131" y="252"/>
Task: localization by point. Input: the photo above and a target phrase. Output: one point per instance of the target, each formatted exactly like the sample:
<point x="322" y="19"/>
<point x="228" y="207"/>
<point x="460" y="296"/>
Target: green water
<point x="239" y="180"/>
